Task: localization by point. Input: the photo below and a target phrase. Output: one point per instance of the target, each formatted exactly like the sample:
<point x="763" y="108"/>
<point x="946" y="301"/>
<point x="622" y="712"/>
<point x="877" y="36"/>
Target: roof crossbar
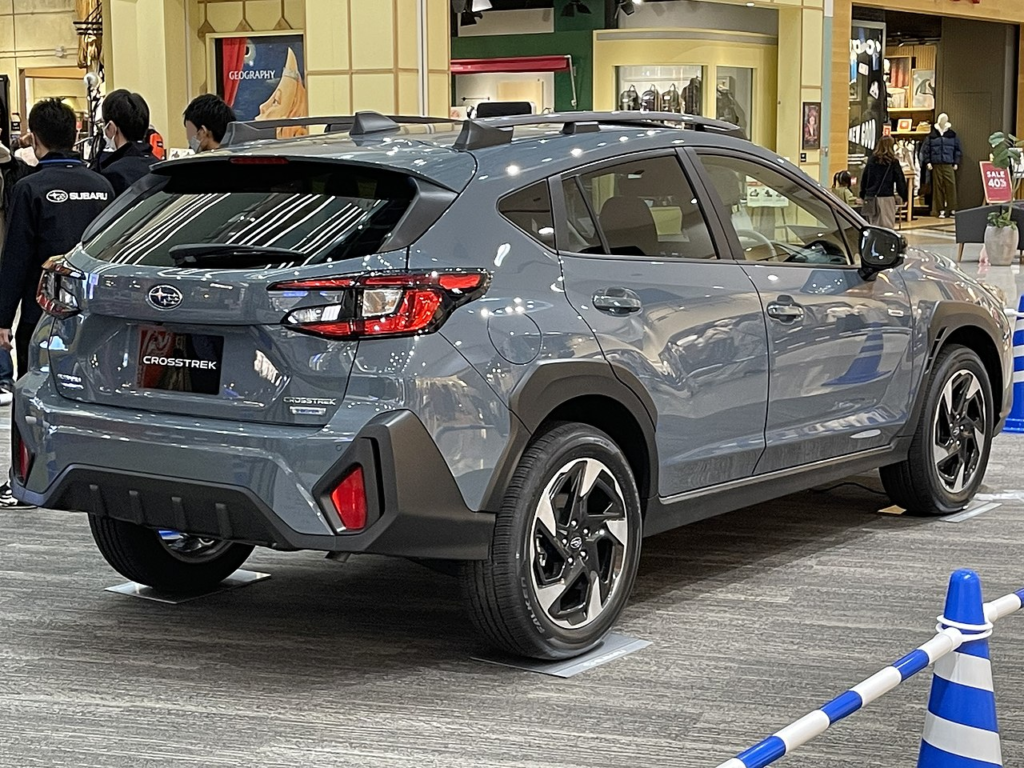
<point x="359" y="124"/>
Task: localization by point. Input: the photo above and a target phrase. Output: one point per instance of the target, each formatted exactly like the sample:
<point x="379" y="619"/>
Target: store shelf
<point x="922" y="134"/>
<point x="907" y="110"/>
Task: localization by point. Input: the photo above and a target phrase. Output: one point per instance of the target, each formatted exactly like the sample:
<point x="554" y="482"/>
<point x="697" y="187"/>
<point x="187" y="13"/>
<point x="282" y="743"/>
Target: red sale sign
<point x="998" y="184"/>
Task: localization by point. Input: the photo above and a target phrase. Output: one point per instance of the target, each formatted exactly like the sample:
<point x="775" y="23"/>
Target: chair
<point x="972" y="223"/>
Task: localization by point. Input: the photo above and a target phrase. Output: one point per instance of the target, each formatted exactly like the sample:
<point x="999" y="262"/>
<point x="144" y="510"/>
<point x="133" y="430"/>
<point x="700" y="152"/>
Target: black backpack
<point x="629" y="99"/>
<point x="651" y="100"/>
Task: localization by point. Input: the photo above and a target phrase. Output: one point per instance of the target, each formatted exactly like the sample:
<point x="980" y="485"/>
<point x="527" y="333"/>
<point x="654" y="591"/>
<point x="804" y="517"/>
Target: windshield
<point x="323" y="213"/>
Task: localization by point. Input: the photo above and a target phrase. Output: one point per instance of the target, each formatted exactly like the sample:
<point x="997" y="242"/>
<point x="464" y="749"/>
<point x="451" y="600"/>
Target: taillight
<point x="349" y="500"/>
<point x="54" y="294"/>
<point x="22" y="457"/>
<point x="384" y="304"/>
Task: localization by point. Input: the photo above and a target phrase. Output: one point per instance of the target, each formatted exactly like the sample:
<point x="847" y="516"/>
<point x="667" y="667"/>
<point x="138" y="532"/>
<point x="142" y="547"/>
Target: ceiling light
<point x="628" y="7"/>
<point x="481" y="5"/>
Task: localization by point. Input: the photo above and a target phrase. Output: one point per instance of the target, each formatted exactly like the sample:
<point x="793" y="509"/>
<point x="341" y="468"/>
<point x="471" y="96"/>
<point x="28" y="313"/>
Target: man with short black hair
<point x="127" y="156"/>
<point x="206" y="121"/>
<point x="50" y="209"/>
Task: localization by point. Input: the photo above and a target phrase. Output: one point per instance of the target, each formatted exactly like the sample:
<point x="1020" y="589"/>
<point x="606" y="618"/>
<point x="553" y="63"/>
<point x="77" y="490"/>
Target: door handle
<point x="785" y="311"/>
<point x="617" y="301"/>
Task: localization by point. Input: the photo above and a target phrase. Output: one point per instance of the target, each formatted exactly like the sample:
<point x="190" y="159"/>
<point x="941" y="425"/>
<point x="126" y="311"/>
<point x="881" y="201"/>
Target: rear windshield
<point x="322" y="212"/>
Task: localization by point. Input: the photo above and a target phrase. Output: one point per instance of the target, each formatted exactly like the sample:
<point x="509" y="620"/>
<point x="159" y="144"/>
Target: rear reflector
<point x="349" y="500"/>
<point x="22" y="458"/>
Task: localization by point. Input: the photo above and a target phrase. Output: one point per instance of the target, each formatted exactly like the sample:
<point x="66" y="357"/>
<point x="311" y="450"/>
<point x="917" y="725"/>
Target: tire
<point x="536" y="595"/>
<point x="926" y="483"/>
<point x="142" y="555"/>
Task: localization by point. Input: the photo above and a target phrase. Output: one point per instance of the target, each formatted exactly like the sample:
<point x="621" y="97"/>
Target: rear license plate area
<point x="180" y="362"/>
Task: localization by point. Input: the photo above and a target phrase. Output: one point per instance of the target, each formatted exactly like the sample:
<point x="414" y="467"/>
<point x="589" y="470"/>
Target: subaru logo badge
<point x="165" y="297"/>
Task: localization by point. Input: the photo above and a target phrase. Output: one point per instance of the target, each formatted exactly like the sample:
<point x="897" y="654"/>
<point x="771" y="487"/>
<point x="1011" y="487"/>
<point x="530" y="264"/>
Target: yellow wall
<point x="30" y="33"/>
<point x="619" y="48"/>
<point x="360" y="54"/>
<point x="792" y="73"/>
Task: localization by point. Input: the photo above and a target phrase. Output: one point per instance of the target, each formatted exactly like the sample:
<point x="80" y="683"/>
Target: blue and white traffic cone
<point x="960" y="729"/>
<point x="1015" y="422"/>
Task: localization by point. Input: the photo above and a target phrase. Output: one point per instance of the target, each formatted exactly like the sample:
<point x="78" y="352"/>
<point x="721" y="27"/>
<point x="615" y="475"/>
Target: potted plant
<point x="1001" y="236"/>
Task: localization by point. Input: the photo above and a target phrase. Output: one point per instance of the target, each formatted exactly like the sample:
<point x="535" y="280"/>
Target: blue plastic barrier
<point x="1015" y="422"/>
<point x="961" y="723"/>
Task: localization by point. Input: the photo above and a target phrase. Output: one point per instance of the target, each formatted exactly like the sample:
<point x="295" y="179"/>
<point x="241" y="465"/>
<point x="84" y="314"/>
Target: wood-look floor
<point x="755" y="618"/>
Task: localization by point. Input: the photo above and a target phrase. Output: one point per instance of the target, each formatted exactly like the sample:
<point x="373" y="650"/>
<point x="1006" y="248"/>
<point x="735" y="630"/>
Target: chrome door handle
<point x="785" y="312"/>
<point x="618" y="301"/>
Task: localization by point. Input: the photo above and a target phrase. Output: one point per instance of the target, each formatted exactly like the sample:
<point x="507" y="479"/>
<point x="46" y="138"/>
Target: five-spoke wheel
<point x="566" y="547"/>
<point x="949" y="451"/>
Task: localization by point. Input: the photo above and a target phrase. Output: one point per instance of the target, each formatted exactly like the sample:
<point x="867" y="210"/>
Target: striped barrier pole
<point x="812" y="725"/>
<point x="1015" y="421"/>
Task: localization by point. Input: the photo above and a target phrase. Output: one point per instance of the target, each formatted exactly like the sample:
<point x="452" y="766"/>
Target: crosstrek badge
<point x="60" y="196"/>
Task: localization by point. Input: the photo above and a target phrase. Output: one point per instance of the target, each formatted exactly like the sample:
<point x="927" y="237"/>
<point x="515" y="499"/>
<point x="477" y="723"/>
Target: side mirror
<point x="880" y="249"/>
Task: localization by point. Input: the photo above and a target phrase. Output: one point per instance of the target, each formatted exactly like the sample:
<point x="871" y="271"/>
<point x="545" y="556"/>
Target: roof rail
<point x="359" y="124"/>
<point x="584" y="122"/>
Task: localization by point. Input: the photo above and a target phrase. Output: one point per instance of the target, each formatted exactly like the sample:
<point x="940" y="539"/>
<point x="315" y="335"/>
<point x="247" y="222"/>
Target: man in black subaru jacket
<point x="50" y="209"/>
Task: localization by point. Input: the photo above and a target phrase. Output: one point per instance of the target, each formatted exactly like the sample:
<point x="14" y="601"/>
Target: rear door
<point x="641" y="266"/>
<point x="841" y="368"/>
<point x="178" y="314"/>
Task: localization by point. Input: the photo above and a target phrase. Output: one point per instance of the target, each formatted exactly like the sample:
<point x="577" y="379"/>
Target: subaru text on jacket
<point x="942" y="148"/>
<point x="50" y="209"/>
<point x="127" y="165"/>
<point x="883" y="180"/>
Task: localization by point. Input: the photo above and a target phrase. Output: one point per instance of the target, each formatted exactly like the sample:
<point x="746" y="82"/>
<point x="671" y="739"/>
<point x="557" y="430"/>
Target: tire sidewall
<point x="961" y="359"/>
<point x="581" y="443"/>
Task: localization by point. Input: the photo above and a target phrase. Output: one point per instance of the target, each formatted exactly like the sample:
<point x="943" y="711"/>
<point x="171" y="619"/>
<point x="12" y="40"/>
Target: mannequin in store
<point x="693" y="98"/>
<point x="941" y="154"/>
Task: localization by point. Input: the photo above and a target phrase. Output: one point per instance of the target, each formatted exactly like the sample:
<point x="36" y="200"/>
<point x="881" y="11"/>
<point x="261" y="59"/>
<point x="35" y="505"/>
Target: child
<point x="841" y="188"/>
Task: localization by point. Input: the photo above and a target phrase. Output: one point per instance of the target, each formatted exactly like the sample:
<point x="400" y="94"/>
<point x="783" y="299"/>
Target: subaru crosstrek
<point x="519" y="344"/>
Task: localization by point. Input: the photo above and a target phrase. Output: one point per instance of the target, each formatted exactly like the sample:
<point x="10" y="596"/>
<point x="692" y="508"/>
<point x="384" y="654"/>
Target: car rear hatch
<point x="181" y="300"/>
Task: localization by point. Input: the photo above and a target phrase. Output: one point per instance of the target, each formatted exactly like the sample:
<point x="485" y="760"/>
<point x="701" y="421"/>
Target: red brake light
<point x="349" y="500"/>
<point x="382" y="305"/>
<point x="53" y="294"/>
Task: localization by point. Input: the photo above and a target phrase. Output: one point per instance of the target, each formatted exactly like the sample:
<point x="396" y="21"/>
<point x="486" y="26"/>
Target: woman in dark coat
<point x="883" y="186"/>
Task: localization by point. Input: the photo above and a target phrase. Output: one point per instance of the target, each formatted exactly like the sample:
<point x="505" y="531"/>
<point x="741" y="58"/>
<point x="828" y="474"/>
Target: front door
<point x="641" y="266"/>
<point x="841" y="369"/>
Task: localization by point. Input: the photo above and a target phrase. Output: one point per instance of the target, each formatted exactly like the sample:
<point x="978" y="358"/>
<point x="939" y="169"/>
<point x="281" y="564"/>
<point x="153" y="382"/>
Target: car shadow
<point x="318" y="624"/>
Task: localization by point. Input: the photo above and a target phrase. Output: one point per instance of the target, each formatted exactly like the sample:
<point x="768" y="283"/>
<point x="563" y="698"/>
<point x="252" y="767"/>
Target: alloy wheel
<point x="192" y="549"/>
<point x="580" y="536"/>
<point x="959" y="431"/>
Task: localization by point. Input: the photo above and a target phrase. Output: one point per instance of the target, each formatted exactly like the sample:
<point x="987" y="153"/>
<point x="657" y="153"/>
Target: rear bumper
<point x="180" y="476"/>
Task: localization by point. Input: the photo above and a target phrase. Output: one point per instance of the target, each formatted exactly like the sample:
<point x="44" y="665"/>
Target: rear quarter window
<point x="530" y="210"/>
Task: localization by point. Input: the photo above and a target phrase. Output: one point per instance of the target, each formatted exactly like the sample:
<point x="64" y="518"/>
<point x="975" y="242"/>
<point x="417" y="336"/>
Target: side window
<point x="777" y="218"/>
<point x="644" y="207"/>
<point x="530" y="210"/>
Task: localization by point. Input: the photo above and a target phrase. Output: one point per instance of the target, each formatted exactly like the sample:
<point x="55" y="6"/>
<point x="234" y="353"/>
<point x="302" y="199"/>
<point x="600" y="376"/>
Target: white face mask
<point x="193" y="144"/>
<point x="108" y="143"/>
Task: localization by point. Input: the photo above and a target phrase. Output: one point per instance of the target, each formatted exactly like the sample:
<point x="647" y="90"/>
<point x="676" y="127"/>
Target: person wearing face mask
<point x="206" y="121"/>
<point x="127" y="156"/>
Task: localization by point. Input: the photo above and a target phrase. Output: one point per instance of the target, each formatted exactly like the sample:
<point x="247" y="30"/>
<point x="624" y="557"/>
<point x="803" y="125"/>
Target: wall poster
<point x="262" y="76"/>
<point x="812" y="125"/>
<point x="869" y="114"/>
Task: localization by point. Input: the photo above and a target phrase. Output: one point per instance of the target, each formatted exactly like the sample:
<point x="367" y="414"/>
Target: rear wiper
<point x="232" y="255"/>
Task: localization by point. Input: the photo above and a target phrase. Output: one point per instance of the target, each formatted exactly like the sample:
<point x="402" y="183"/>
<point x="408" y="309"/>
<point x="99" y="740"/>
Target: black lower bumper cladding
<point x="416" y="508"/>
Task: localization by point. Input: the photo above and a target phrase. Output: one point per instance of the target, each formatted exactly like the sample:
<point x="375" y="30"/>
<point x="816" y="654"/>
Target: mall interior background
<point x="766" y="64"/>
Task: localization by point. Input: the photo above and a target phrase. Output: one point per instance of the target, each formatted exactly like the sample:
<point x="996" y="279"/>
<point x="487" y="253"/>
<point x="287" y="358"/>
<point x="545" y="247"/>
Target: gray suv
<point x="515" y="345"/>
